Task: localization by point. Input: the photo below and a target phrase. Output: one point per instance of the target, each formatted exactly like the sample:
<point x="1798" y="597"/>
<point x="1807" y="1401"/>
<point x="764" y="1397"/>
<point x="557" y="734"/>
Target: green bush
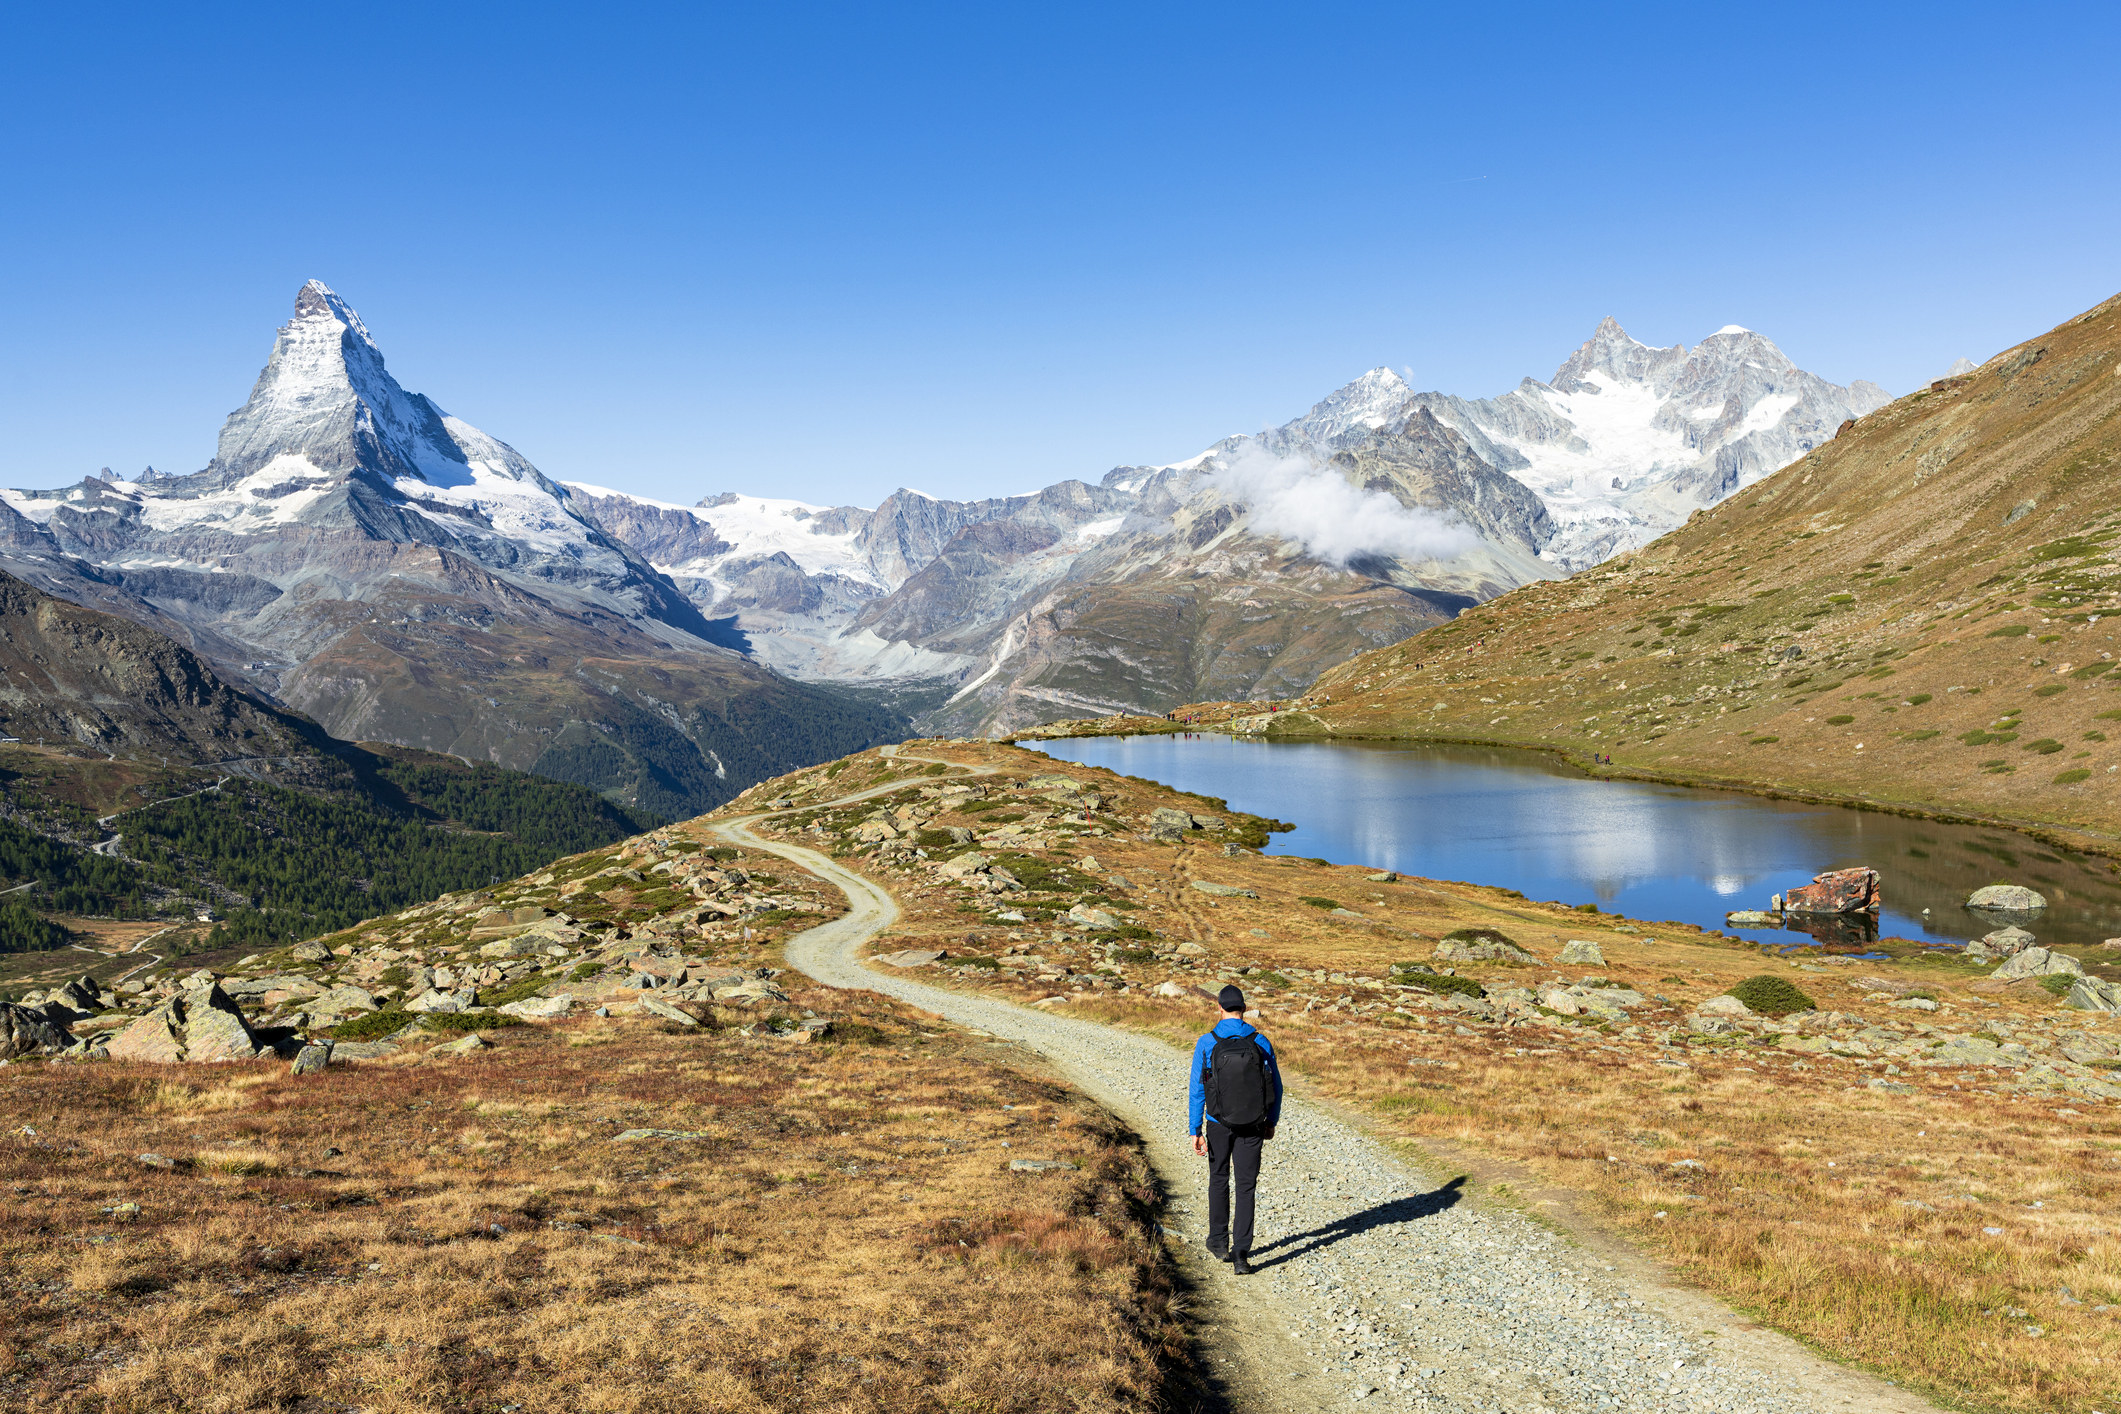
<point x="1592" y="907"/>
<point x="2070" y="778"/>
<point x="2050" y="690"/>
<point x="1133" y="955"/>
<point x="2058" y="983"/>
<point x="1482" y="935"/>
<point x="1772" y="996"/>
<point x="1918" y="699"/>
<point x="1439" y="984"/>
<point x="1325" y="903"/>
<point x="2046" y="746"/>
<point x="456" y="1023"/>
<point x="2008" y="631"/>
<point x="1840" y="721"/>
<point x="374" y="1026"/>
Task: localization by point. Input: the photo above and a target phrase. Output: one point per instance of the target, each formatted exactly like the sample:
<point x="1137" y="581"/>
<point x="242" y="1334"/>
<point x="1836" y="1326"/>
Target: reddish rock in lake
<point x="1836" y="891"/>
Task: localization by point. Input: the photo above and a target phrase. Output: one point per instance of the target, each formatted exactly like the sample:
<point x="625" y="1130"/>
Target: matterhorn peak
<point x="325" y="398"/>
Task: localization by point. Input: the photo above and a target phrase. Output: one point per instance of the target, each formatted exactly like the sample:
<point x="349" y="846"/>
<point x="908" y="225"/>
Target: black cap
<point x="1231" y="999"/>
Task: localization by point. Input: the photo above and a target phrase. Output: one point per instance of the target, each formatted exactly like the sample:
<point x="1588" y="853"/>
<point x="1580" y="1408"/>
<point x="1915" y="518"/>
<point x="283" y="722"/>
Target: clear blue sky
<point x="827" y="251"/>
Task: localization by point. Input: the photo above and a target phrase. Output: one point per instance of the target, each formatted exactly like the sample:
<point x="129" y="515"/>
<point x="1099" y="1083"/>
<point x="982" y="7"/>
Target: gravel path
<point x="1374" y="1283"/>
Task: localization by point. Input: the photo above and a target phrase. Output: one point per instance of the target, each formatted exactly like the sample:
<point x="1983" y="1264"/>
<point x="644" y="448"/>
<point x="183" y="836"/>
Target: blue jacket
<point x="1197" y="1090"/>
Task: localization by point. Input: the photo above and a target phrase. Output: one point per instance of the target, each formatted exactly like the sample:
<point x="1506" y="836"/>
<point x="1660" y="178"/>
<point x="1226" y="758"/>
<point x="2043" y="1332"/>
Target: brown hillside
<point x="1916" y="614"/>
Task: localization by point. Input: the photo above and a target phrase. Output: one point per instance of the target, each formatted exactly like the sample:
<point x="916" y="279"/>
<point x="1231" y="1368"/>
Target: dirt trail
<point x="1375" y="1280"/>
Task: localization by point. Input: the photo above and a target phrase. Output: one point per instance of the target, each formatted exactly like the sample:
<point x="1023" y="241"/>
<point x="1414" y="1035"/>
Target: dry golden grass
<point x="1802" y="1215"/>
<point x="464" y="1234"/>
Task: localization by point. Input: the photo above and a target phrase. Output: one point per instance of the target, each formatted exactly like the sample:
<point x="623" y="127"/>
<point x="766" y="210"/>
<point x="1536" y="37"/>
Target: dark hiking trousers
<point x="1231" y="1146"/>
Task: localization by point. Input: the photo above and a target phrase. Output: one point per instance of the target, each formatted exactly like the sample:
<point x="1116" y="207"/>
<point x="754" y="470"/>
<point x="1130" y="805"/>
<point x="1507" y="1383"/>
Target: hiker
<point x="1233" y="1103"/>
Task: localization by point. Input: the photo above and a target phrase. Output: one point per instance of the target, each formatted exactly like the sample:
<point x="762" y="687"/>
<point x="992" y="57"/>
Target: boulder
<point x="157" y="1037"/>
<point x="214" y="1029"/>
<point x="537" y="1008"/>
<point x="1752" y="918"/>
<point x="464" y="1045"/>
<point x="2006" y="898"/>
<point x="26" y="1032"/>
<point x="2093" y="994"/>
<point x="311" y="1059"/>
<point x="1836" y="891"/>
<point x="435" y="1001"/>
<point x="1223" y="890"/>
<point x="311" y="951"/>
<point x="343" y="999"/>
<point x="1480" y="950"/>
<point x="2038" y="962"/>
<point x="1163" y="817"/>
<point x="1577" y="950"/>
<point x="1723" y="1006"/>
<point x="1095" y="919"/>
<point x="874" y="832"/>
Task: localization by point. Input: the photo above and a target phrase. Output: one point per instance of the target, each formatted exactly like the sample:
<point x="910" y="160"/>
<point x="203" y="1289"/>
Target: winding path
<point x="1375" y="1282"/>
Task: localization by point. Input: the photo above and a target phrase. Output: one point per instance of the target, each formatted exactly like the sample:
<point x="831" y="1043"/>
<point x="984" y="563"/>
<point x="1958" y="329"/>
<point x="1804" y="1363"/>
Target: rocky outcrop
<point x="27" y="1031"/>
<point x="202" y="1024"/>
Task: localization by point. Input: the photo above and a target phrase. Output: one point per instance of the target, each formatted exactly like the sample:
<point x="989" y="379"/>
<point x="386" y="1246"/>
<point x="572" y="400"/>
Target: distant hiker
<point x="1233" y="1104"/>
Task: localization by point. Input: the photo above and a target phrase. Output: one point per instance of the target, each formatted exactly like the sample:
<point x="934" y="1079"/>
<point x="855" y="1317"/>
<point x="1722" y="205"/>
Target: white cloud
<point x="1313" y="506"/>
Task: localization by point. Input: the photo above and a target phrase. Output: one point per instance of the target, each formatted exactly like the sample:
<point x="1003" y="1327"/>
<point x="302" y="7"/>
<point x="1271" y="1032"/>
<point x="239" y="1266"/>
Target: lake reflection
<point x="1524" y="821"/>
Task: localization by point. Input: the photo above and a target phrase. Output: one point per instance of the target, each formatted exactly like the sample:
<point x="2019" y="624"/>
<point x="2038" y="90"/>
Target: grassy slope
<point x="1939" y="566"/>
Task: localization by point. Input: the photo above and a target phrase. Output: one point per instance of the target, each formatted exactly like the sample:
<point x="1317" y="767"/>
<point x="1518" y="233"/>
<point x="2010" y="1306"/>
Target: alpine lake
<point x="1526" y="821"/>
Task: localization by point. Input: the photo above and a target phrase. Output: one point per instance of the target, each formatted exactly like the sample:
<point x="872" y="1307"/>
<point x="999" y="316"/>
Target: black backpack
<point x="1236" y="1080"/>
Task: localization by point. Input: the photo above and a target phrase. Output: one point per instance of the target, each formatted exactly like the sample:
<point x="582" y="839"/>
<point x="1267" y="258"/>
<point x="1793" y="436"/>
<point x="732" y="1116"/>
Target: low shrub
<point x="374" y="1026"/>
<point x="456" y="1023"/>
<point x="2070" y="778"/>
<point x="1483" y="935"/>
<point x="2058" y="983"/>
<point x="1772" y="996"/>
<point x="1438" y="983"/>
<point x="1325" y="903"/>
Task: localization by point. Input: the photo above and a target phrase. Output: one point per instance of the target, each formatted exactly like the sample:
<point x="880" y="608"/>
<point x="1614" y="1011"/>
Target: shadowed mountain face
<point x="1925" y="611"/>
<point x="400" y="576"/>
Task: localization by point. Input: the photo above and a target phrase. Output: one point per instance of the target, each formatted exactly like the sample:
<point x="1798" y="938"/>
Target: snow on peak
<point x="1730" y="329"/>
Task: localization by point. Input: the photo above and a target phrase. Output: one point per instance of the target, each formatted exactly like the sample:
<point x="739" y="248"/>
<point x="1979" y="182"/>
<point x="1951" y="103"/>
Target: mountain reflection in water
<point x="1522" y="820"/>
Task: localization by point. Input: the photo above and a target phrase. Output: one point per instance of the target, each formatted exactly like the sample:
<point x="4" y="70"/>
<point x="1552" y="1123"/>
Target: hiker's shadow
<point x="1412" y="1208"/>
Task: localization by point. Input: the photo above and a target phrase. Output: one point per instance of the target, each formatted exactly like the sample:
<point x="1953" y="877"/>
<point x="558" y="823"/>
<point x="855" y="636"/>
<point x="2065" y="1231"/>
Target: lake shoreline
<point x="2059" y="837"/>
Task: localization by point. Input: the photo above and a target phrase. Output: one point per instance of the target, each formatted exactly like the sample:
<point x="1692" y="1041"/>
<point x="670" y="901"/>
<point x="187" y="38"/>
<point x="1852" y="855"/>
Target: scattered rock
<point x="1043" y="1165"/>
<point x="1579" y="951"/>
<point x="311" y="1059"/>
<point x="2093" y="994"/>
<point x="1095" y="919"/>
<point x="1723" y="1006"/>
<point x="464" y="1045"/>
<point x="911" y="957"/>
<point x="157" y="1161"/>
<point x="1223" y="890"/>
<point x="2006" y="898"/>
<point x="2003" y="943"/>
<point x="1163" y="817"/>
<point x="656" y="1006"/>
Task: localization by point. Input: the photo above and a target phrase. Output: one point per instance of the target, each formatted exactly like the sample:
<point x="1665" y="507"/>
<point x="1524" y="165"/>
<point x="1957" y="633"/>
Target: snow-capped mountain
<point x="401" y="576"/>
<point x="1628" y="440"/>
